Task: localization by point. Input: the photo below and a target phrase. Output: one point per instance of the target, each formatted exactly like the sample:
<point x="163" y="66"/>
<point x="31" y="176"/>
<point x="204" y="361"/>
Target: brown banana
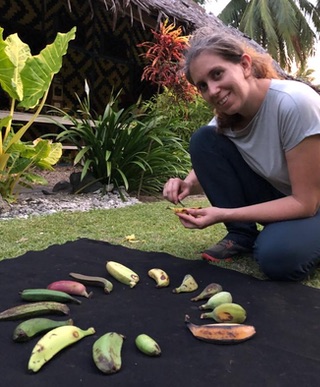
<point x="94" y="281"/>
<point x="34" y="309"/>
<point x="221" y="333"/>
<point x="208" y="292"/>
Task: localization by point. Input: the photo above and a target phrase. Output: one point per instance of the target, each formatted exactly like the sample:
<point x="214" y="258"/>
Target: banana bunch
<point x="160" y="276"/>
<point x="53" y="342"/>
<point x="106" y="352"/>
<point x="221" y="333"/>
<point x="147" y="345"/>
<point x="122" y="273"/>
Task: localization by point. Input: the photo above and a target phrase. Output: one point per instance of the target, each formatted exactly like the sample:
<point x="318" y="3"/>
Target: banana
<point x="34" y="326"/>
<point x="217" y="299"/>
<point x="70" y="287"/>
<point x="94" y="281"/>
<point x="160" y="276"/>
<point x="106" y="352"/>
<point x="188" y="284"/>
<point x="147" y="345"/>
<point x="208" y="291"/>
<point x="47" y="295"/>
<point x="227" y="313"/>
<point x="221" y="333"/>
<point x="34" y="309"/>
<point x="122" y="273"/>
<point x="53" y="342"/>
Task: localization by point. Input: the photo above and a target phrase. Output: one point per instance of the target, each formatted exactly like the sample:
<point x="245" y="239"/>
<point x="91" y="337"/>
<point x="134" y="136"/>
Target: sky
<point x="216" y="7"/>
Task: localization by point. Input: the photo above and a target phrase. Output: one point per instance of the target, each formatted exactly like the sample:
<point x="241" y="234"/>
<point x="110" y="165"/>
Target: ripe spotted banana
<point x="221" y="333"/>
<point x="227" y="313"/>
<point x="208" y="292"/>
<point x="34" y="309"/>
<point x="53" y="342"/>
<point x="47" y="295"/>
<point x="106" y="352"/>
<point x="160" y="276"/>
<point x="188" y="284"/>
<point x="94" y="281"/>
<point x="147" y="345"/>
<point x="34" y="326"/>
<point x="122" y="273"/>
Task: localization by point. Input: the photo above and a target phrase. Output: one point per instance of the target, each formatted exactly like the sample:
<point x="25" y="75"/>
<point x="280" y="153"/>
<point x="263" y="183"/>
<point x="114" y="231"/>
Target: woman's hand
<point x="200" y="218"/>
<point x="176" y="189"/>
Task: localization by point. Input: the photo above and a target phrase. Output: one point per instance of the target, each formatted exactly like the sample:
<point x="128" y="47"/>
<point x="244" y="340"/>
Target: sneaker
<point x="224" y="251"/>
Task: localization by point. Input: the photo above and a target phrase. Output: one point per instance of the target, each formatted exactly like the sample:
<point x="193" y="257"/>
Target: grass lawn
<point x="154" y="226"/>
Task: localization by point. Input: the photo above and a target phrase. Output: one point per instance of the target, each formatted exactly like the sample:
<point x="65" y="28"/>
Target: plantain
<point x="147" y="345"/>
<point x="208" y="291"/>
<point x="53" y="342"/>
<point x="122" y="273"/>
<point x="188" y="284"/>
<point x="94" y="281"/>
<point x="27" y="329"/>
<point x="47" y="295"/>
<point x="221" y="333"/>
<point x="217" y="299"/>
<point x="106" y="352"/>
<point x="228" y="312"/>
<point x="160" y="276"/>
<point x="34" y="309"/>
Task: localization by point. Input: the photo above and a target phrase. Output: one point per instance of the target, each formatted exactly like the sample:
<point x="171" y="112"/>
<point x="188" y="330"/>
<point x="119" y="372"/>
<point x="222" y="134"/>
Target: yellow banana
<point x="160" y="276"/>
<point x="106" y="352"/>
<point x="188" y="284"/>
<point x="122" y="273"/>
<point x="53" y="342"/>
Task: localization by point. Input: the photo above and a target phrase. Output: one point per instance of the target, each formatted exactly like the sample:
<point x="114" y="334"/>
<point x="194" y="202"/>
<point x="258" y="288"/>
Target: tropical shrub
<point x="26" y="79"/>
<point x="127" y="147"/>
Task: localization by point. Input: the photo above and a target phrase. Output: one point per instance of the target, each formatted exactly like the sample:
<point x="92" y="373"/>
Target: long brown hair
<point x="231" y="49"/>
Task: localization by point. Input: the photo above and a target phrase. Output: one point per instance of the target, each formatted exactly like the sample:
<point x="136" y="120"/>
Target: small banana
<point x="188" y="284"/>
<point x="122" y="273"/>
<point x="34" y="326"/>
<point x="71" y="287"/>
<point x="147" y="345"/>
<point x="160" y="276"/>
<point x="221" y="333"/>
<point x="53" y="342"/>
<point x="217" y="299"/>
<point x="227" y="313"/>
<point x="94" y="281"/>
<point x="106" y="352"/>
<point x="34" y="309"/>
<point x="208" y="291"/>
<point x="47" y="295"/>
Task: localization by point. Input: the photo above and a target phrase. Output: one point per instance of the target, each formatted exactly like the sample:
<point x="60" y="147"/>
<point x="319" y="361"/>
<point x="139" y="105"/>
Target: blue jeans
<point x="284" y="250"/>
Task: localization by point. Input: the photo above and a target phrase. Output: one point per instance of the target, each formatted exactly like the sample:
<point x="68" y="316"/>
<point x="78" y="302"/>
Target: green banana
<point x="122" y="273"/>
<point x="217" y="299"/>
<point x="53" y="342"/>
<point x="47" y="295"/>
<point x="147" y="345"/>
<point x="34" y="326"/>
<point x="208" y="291"/>
<point x="34" y="309"/>
<point x="94" y="281"/>
<point x="188" y="284"/>
<point x="227" y="313"/>
<point x="106" y="352"/>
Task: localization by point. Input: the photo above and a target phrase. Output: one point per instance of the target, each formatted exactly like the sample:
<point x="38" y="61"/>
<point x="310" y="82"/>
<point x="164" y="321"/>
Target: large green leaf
<point x="39" y="70"/>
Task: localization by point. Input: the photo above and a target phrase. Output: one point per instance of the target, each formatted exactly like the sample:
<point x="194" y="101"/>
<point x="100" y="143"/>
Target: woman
<point x="258" y="161"/>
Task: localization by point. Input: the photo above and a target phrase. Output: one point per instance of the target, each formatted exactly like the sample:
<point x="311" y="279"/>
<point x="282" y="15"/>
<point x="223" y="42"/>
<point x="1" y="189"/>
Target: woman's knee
<point x="201" y="138"/>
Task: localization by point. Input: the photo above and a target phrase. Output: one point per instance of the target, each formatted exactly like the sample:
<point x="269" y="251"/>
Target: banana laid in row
<point x="47" y="295"/>
<point x="106" y="352"/>
<point x="216" y="300"/>
<point x="147" y="345"/>
<point x="71" y="287"/>
<point x="188" y="284"/>
<point x="221" y="333"/>
<point x="27" y="329"/>
<point x="228" y="312"/>
<point x="209" y="291"/>
<point x="34" y="309"/>
<point x="122" y="273"/>
<point x="93" y="281"/>
<point x="160" y="276"/>
<point x="53" y="342"/>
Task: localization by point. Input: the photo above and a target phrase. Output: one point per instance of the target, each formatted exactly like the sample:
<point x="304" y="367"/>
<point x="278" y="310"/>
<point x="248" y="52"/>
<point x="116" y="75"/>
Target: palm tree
<point x="287" y="29"/>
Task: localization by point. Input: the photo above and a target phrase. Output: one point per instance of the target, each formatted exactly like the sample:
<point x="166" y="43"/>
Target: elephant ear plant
<point x="26" y="79"/>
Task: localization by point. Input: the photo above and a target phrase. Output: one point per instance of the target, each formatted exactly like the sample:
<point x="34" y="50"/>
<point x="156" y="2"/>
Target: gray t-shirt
<point x="289" y="113"/>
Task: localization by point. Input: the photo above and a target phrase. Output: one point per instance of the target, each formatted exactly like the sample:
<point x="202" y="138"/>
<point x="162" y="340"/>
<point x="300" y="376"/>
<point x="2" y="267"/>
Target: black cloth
<point x="284" y="352"/>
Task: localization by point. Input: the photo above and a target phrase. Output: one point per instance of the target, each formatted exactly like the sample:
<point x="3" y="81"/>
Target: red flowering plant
<point x="165" y="56"/>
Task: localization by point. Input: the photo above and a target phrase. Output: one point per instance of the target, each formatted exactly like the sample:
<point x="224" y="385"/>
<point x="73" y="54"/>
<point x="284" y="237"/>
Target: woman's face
<point x="223" y="84"/>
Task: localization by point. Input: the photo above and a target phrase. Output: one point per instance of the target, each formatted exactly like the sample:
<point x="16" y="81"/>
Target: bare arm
<point x="304" y="171"/>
